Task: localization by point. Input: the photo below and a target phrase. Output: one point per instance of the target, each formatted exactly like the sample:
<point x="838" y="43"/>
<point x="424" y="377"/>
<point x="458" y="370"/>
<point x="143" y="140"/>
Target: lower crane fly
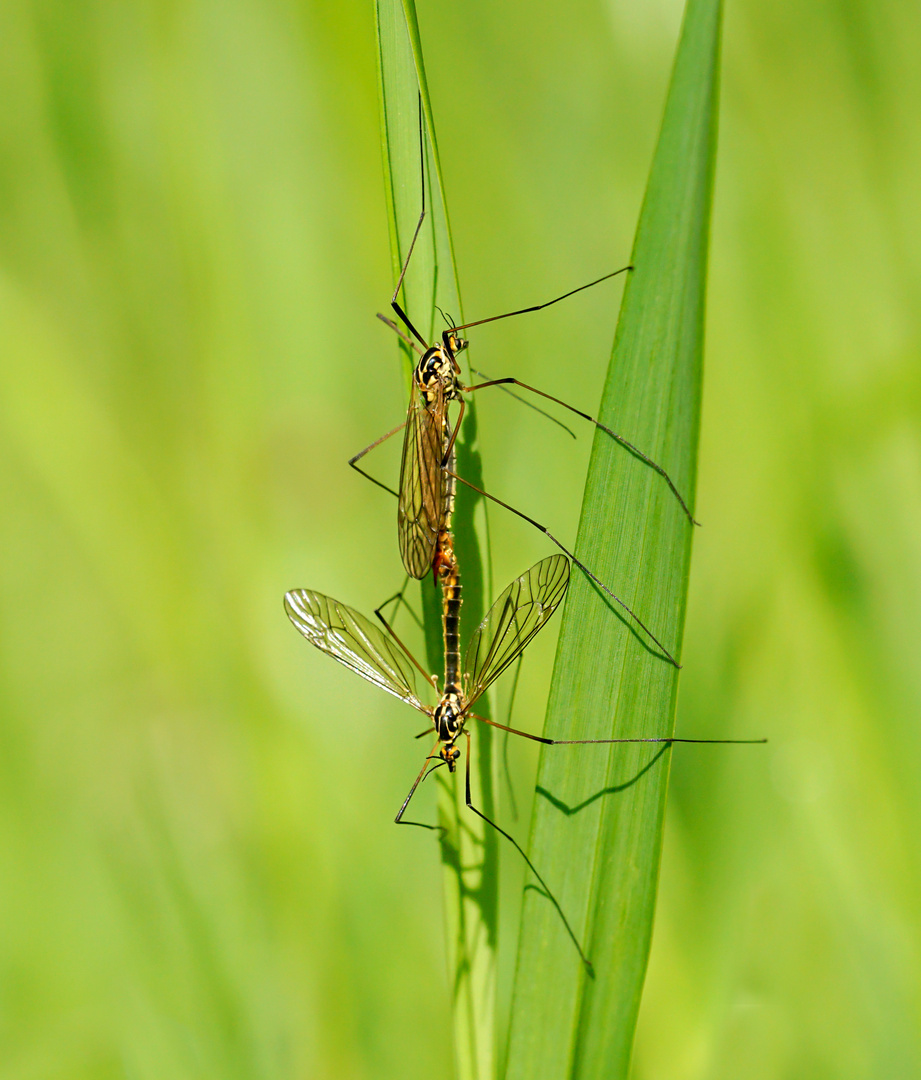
<point x="381" y="658"/>
<point x="429" y="437"/>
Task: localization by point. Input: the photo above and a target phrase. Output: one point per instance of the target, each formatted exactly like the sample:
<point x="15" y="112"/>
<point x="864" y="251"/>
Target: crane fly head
<point x="450" y="754"/>
<point x="454" y="343"/>
<point x="451" y="340"/>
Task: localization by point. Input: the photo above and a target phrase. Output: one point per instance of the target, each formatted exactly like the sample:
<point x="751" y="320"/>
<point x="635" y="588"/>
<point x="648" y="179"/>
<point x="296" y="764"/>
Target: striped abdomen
<point x="450" y="609"/>
<point x="447" y="570"/>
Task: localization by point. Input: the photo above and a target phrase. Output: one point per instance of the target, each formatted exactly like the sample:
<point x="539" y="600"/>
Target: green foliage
<point x="598" y="814"/>
<point x="199" y="874"/>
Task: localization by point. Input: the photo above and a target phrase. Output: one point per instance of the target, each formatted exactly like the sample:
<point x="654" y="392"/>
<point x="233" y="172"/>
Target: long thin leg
<point x="368" y="449"/>
<point x="404" y="318"/>
<point x="406" y="340"/>
<point x="429" y="678"/>
<point x="585" y="742"/>
<point x="617" y="438"/>
<point x="400" y="598"/>
<point x="534" y="871"/>
<point x="585" y="570"/>
<point x="524" y="401"/>
<point x="377" y="442"/>
<point x="398" y="820"/>
<point x="540" y="307"/>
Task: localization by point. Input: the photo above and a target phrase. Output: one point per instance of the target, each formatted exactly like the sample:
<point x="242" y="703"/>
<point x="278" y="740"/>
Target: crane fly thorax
<point x="449" y="723"/>
<point x="436" y="375"/>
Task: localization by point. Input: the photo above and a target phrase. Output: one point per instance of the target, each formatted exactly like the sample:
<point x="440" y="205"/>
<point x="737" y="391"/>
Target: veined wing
<point x="512" y="621"/>
<point x="421" y="505"/>
<point x="355" y="641"/>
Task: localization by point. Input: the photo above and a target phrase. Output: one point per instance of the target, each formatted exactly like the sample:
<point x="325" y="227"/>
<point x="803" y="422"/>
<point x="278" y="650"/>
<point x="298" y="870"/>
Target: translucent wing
<point x="355" y="641"/>
<point x="421" y="506"/>
<point x="512" y="621"/>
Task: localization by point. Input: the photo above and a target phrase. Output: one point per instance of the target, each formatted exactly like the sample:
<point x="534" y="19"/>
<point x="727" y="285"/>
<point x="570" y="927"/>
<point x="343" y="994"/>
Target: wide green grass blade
<point x="469" y="851"/>
<point x="598" y="817"/>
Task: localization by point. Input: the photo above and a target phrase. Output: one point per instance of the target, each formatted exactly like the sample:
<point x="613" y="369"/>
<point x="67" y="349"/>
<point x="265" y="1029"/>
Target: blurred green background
<point x="198" y="872"/>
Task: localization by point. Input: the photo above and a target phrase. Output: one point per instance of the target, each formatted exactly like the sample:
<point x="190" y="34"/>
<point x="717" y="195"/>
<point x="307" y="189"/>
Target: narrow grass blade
<point x="598" y="815"/>
<point x="469" y="849"/>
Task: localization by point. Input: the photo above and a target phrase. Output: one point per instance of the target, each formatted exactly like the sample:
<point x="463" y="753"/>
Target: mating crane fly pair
<point x="426" y="494"/>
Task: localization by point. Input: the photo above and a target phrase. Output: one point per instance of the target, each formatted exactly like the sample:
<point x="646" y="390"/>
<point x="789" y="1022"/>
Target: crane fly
<point x="381" y="658"/>
<point x="520" y="612"/>
<point x="429" y="437"/>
